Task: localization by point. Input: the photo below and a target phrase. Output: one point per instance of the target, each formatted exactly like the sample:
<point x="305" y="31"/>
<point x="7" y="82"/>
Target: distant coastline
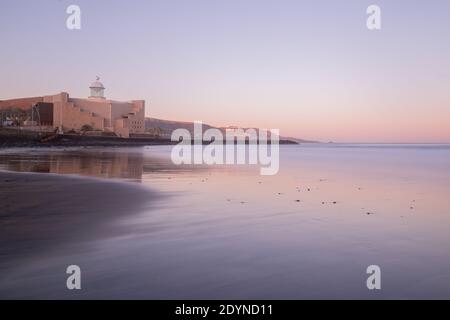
<point x="165" y="128"/>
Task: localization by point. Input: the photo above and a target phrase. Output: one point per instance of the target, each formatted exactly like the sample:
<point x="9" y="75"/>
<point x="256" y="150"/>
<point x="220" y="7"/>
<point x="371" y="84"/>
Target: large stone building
<point x="96" y="112"/>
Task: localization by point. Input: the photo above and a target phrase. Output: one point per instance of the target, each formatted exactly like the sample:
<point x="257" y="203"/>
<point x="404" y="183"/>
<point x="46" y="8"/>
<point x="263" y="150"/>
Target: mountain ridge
<point x="164" y="128"/>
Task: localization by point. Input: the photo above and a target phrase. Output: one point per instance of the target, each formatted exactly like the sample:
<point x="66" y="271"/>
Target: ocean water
<point x="226" y="232"/>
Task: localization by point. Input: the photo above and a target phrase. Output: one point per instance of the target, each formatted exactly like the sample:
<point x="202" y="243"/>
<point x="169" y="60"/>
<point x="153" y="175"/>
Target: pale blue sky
<point x="309" y="68"/>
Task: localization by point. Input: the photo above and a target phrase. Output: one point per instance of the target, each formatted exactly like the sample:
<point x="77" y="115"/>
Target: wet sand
<point x="225" y="232"/>
<point x="45" y="212"/>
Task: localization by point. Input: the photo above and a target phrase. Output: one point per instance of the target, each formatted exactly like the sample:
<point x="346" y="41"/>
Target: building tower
<point x="97" y="89"/>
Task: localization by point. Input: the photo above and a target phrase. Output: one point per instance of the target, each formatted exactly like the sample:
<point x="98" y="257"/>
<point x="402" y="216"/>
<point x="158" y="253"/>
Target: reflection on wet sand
<point x="229" y="233"/>
<point x="126" y="163"/>
<point x="105" y="164"/>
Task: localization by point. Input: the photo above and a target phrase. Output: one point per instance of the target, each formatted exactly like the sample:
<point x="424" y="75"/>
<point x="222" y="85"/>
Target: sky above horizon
<point x="309" y="68"/>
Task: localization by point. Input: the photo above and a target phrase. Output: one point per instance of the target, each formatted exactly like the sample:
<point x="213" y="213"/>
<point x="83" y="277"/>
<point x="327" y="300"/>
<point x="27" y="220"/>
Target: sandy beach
<point x="45" y="212"/>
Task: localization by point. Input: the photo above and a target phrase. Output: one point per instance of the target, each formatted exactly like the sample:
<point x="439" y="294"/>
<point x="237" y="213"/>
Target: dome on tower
<point x="97" y="89"/>
<point x="97" y="84"/>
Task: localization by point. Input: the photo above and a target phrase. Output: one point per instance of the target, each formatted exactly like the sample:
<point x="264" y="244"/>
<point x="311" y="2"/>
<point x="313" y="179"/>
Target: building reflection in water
<point x="105" y="164"/>
<point x="135" y="164"/>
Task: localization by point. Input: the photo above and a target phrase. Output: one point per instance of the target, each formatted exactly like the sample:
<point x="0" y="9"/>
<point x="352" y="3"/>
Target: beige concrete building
<point x="96" y="112"/>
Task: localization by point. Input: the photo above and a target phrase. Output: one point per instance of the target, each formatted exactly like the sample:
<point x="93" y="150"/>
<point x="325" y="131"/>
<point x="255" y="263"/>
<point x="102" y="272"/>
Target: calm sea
<point x="227" y="232"/>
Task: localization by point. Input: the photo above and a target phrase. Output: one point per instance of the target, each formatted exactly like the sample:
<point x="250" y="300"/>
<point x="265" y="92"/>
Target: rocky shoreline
<point x="73" y="140"/>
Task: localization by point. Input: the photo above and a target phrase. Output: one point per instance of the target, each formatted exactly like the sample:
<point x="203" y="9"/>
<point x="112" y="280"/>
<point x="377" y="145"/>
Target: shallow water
<point x="227" y="232"/>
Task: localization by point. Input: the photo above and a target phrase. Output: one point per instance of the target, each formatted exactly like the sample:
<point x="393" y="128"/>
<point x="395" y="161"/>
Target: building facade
<point x="76" y="114"/>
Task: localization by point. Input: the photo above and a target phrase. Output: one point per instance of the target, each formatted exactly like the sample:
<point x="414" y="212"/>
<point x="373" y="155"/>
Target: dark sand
<point x="41" y="212"/>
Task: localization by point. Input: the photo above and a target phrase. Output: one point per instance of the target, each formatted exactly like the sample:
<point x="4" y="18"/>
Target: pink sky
<point x="310" y="69"/>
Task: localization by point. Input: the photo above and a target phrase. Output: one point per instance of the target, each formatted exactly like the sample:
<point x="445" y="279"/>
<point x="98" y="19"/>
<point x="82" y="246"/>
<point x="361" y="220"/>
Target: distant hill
<point x="164" y="128"/>
<point x="300" y="140"/>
